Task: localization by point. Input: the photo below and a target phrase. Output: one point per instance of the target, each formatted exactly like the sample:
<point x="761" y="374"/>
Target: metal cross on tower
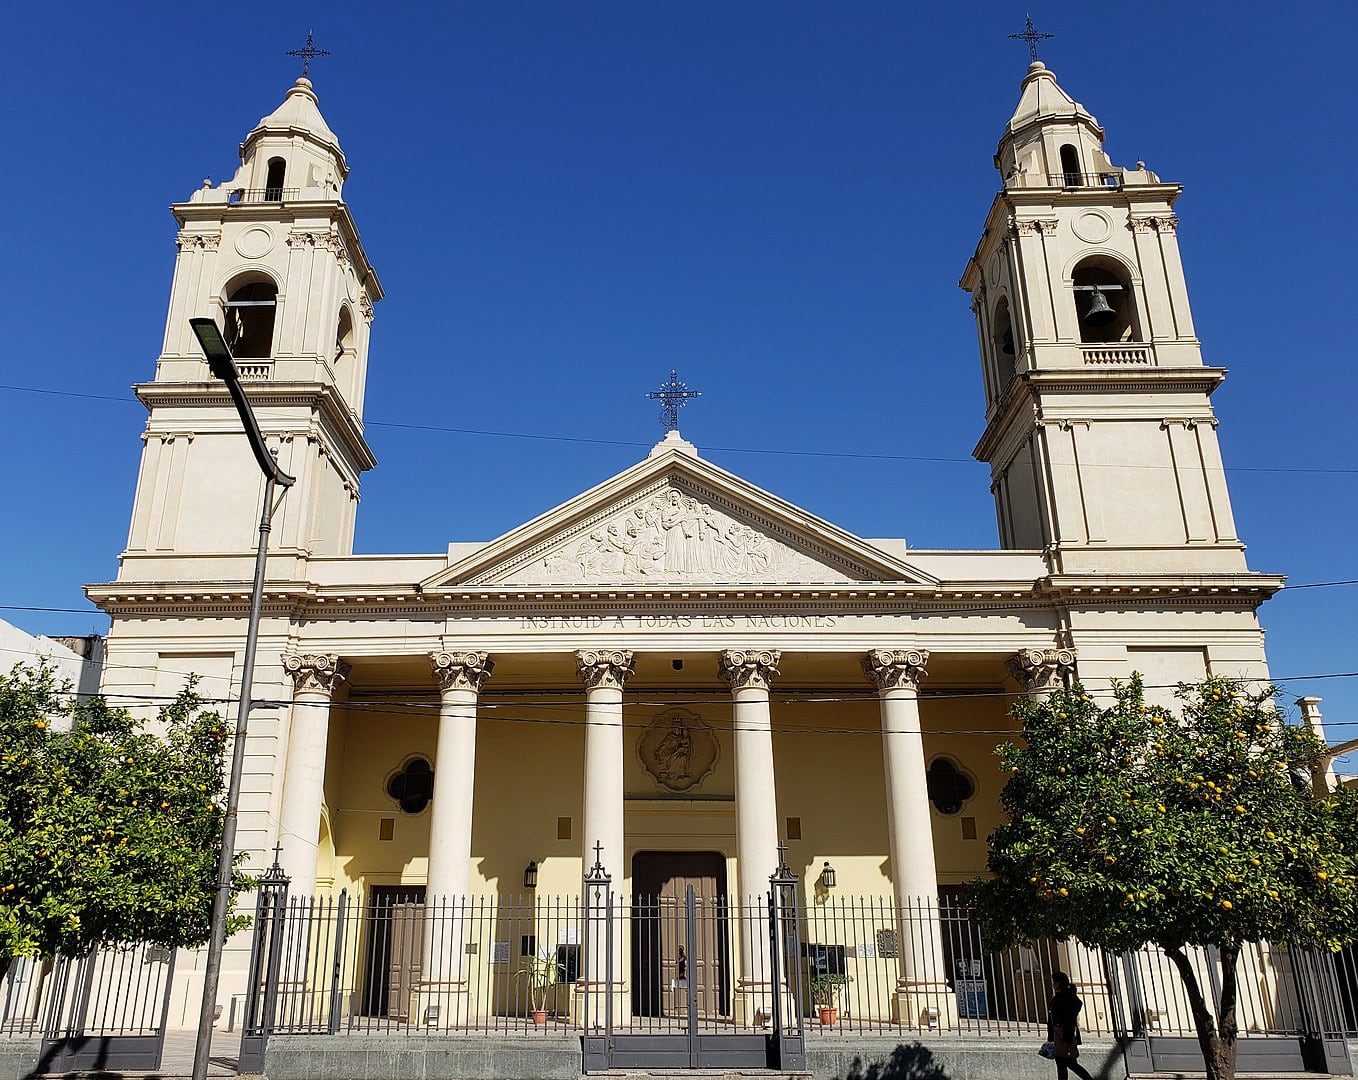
<point x="1031" y="36"/>
<point x="307" y="54"/>
<point x="672" y="396"/>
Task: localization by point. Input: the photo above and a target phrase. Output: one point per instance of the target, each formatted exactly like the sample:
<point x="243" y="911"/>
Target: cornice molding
<point x="336" y="419"/>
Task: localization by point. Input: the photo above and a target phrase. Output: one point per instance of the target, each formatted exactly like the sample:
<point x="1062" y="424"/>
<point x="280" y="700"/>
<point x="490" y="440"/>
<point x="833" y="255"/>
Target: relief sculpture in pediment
<point x="673" y="536"/>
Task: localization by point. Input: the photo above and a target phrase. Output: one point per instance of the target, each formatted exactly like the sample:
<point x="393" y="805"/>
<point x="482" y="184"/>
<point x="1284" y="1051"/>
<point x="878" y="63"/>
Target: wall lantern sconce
<point x="827" y="876"/>
<point x="530" y="875"/>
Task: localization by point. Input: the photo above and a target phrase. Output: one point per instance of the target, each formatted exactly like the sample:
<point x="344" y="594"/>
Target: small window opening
<point x="1103" y="305"/>
<point x="949" y="788"/>
<point x="249" y="320"/>
<point x="273" y="185"/>
<point x="1070" y="166"/>
<point x="413" y="786"/>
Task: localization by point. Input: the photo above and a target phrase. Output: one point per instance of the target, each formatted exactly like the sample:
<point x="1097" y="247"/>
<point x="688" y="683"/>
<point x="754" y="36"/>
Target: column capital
<point x="605" y="668"/>
<point x="749" y="668"/>
<point x="461" y="670"/>
<point x="1042" y="670"/>
<point x="318" y="672"/>
<point x="895" y="669"/>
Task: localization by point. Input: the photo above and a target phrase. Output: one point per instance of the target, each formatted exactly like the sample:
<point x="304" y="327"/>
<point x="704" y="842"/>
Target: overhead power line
<point x="775" y="452"/>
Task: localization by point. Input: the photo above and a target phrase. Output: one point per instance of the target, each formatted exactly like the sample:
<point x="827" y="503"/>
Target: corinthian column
<point x="460" y="676"/>
<point x="1041" y="672"/>
<point x="750" y="674"/>
<point x="605" y="672"/>
<point x="314" y="679"/>
<point x="922" y="995"/>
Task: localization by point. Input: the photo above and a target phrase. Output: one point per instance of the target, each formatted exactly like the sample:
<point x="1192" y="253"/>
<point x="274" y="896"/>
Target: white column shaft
<point x="603" y="822"/>
<point x="304" y="789"/>
<point x="450" y="812"/>
<point x="756" y="804"/>
<point x="913" y="870"/>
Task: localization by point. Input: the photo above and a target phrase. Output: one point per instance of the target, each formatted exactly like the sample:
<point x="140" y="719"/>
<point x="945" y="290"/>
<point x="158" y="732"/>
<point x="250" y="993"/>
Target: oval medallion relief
<point x="255" y="242"/>
<point x="1092" y="226"/>
<point x="678" y="750"/>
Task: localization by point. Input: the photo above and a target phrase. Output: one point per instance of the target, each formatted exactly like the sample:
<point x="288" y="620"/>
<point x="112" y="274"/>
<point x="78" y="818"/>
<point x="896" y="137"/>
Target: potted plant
<point x="825" y="991"/>
<point x="541" y="972"/>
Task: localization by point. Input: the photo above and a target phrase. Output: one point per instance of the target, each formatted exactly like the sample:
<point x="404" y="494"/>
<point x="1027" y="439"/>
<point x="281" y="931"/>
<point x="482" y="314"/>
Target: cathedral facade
<point x="675" y="672"/>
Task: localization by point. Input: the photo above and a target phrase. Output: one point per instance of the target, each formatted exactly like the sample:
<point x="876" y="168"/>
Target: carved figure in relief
<point x="671" y="756"/>
<point x="678" y="750"/>
<point x="670" y="536"/>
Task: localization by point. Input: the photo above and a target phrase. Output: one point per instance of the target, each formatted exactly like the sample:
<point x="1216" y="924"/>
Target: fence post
<point x="261" y="994"/>
<point x="598" y="903"/>
<point x="788" y="1051"/>
<point x="337" y="969"/>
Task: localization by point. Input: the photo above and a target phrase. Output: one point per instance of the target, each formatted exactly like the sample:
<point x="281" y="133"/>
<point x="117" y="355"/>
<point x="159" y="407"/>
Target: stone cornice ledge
<point x="279" y="394"/>
<point x="1250" y="588"/>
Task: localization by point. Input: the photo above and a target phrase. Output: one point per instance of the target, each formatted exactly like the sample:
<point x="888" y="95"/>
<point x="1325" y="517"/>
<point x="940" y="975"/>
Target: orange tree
<point x="1130" y="825"/>
<point x="108" y="832"/>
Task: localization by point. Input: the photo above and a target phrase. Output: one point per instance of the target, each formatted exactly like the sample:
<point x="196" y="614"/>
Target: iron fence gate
<point x="107" y="1010"/>
<point x="691" y="982"/>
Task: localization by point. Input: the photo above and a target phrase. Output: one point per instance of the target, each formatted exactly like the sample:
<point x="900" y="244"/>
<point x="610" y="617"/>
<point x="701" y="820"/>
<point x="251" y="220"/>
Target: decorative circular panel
<point x="1092" y="226"/>
<point x="678" y="750"/>
<point x="255" y="242"/>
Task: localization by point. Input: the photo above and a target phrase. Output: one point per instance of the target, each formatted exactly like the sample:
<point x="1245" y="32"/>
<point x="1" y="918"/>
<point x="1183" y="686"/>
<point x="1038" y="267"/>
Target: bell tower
<point x="1099" y="431"/>
<point x="273" y="256"/>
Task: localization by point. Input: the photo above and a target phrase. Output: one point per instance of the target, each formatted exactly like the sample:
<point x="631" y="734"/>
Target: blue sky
<point x="564" y="201"/>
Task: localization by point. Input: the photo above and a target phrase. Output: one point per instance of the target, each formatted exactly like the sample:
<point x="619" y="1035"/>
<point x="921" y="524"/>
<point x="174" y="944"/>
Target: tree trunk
<point x="4" y="966"/>
<point x="1227" y="1029"/>
<point x="1217" y="1057"/>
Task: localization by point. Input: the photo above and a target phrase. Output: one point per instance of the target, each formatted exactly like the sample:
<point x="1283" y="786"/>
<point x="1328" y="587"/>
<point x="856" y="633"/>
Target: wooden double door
<point x="681" y="947"/>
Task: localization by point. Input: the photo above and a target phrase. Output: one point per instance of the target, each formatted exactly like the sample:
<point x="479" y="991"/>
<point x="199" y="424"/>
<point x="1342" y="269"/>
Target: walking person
<point x="1063" y="1028"/>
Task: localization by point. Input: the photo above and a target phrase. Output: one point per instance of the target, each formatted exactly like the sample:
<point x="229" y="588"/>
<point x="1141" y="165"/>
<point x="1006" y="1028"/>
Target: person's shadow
<point x="907" y="1062"/>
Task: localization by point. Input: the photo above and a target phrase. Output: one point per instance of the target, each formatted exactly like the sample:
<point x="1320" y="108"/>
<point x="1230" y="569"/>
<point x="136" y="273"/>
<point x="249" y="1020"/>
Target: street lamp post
<point x="223" y="366"/>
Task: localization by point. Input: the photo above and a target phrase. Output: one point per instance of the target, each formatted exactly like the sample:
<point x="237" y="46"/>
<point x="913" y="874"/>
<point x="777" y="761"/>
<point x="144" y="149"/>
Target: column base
<point x="441" y="1006"/>
<point x="597" y="993"/>
<point x="926" y="1006"/>
<point x="752" y="1003"/>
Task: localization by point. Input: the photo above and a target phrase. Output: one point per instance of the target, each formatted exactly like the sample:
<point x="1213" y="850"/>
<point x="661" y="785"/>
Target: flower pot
<point x="828" y="1015"/>
<point x="539" y="1017"/>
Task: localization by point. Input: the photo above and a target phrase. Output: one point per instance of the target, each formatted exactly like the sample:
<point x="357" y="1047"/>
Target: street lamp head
<point x="219" y="358"/>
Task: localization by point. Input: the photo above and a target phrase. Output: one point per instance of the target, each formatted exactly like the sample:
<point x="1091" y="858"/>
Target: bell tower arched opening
<point x="273" y="185"/>
<point x="250" y="309"/>
<point x="1104" y="307"/>
<point x="1004" y="349"/>
<point x="1071" y="175"/>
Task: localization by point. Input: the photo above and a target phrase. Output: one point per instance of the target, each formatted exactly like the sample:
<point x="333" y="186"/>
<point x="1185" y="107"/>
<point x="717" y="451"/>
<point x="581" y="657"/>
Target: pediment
<point x="675" y="520"/>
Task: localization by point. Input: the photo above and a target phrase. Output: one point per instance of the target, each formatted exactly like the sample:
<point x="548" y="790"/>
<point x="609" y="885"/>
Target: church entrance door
<point x="662" y="967"/>
<point x="394" y="929"/>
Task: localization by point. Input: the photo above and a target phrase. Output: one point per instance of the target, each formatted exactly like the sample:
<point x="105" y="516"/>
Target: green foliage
<point x="107" y="832"/>
<point x="541" y="972"/>
<point x="1129" y="825"/>
<point x="826" y="988"/>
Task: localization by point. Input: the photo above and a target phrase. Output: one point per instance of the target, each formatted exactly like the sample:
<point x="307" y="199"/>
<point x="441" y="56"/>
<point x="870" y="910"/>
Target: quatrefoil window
<point x="413" y="786"/>
<point x="949" y="787"/>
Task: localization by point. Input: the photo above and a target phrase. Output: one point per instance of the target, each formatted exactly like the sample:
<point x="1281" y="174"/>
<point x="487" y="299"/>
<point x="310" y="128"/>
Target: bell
<point x="1100" y="311"/>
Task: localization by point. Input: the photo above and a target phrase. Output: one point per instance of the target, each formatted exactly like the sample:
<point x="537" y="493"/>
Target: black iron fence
<point x="106" y="1010"/>
<point x="556" y="965"/>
